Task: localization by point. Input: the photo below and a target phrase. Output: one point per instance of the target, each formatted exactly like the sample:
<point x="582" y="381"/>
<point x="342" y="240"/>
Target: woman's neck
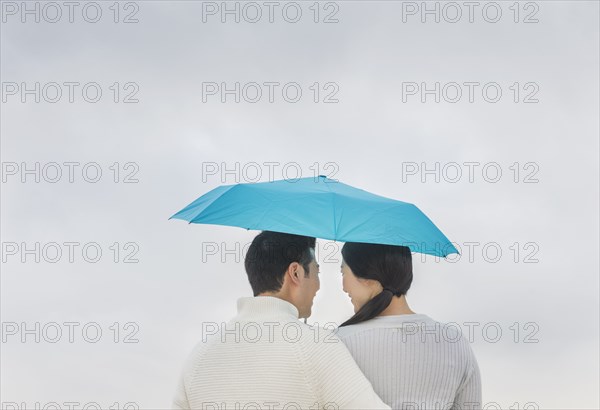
<point x="398" y="306"/>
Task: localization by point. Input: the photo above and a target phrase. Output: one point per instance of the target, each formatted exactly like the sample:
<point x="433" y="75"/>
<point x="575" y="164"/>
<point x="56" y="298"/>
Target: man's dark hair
<point x="269" y="256"/>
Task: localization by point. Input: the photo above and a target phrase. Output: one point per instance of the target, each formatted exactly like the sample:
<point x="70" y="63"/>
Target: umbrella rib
<point x="265" y="212"/>
<point x="335" y="227"/>
<point x="213" y="202"/>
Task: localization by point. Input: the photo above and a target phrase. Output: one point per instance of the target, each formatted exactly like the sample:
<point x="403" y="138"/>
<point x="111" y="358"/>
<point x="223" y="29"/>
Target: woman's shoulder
<point x="411" y="328"/>
<point x="383" y="322"/>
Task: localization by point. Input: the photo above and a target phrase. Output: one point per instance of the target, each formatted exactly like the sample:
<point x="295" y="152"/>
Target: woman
<point x="412" y="361"/>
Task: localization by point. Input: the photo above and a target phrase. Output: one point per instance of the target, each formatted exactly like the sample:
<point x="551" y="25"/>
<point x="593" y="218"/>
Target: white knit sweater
<point x="265" y="358"/>
<point x="415" y="362"/>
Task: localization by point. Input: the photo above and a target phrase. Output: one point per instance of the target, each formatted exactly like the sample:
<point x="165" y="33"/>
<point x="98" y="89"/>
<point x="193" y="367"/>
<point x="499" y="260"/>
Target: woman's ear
<point x="372" y="283"/>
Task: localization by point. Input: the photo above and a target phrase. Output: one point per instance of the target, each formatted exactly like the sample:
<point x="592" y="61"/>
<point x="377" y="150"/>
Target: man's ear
<point x="294" y="272"/>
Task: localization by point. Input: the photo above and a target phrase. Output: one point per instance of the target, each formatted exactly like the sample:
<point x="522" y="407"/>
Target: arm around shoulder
<point x="338" y="380"/>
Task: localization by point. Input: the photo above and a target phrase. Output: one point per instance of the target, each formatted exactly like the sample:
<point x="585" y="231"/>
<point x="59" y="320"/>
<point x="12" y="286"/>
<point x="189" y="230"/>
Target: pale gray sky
<point x="374" y="139"/>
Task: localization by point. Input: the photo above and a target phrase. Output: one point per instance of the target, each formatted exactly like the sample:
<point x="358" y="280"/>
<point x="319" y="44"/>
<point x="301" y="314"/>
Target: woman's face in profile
<point x="360" y="290"/>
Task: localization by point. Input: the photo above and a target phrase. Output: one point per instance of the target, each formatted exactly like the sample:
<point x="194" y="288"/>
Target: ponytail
<point x="371" y="309"/>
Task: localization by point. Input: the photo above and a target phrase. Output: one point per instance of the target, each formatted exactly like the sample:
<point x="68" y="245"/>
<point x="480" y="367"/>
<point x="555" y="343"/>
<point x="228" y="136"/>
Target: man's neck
<point x="278" y="295"/>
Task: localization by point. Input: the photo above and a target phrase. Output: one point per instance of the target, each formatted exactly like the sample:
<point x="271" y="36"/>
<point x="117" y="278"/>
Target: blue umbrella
<point x="321" y="208"/>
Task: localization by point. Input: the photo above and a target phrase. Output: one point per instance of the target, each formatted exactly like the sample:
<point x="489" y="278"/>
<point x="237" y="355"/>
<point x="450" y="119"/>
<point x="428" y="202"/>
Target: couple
<point x="384" y="356"/>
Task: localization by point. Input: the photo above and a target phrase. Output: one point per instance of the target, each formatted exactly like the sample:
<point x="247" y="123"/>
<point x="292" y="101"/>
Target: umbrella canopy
<point x="321" y="208"/>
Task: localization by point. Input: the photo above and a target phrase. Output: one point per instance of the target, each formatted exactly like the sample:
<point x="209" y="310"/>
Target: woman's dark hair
<point x="388" y="264"/>
<point x="269" y="256"/>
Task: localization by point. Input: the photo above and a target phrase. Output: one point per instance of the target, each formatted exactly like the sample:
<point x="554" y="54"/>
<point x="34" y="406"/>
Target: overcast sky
<point x="505" y="163"/>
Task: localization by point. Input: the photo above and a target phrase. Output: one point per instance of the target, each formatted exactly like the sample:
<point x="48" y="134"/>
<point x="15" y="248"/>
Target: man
<point x="264" y="358"/>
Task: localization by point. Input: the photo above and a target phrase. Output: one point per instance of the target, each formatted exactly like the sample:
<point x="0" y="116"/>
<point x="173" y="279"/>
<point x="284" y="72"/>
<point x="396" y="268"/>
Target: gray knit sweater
<point x="415" y="362"/>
